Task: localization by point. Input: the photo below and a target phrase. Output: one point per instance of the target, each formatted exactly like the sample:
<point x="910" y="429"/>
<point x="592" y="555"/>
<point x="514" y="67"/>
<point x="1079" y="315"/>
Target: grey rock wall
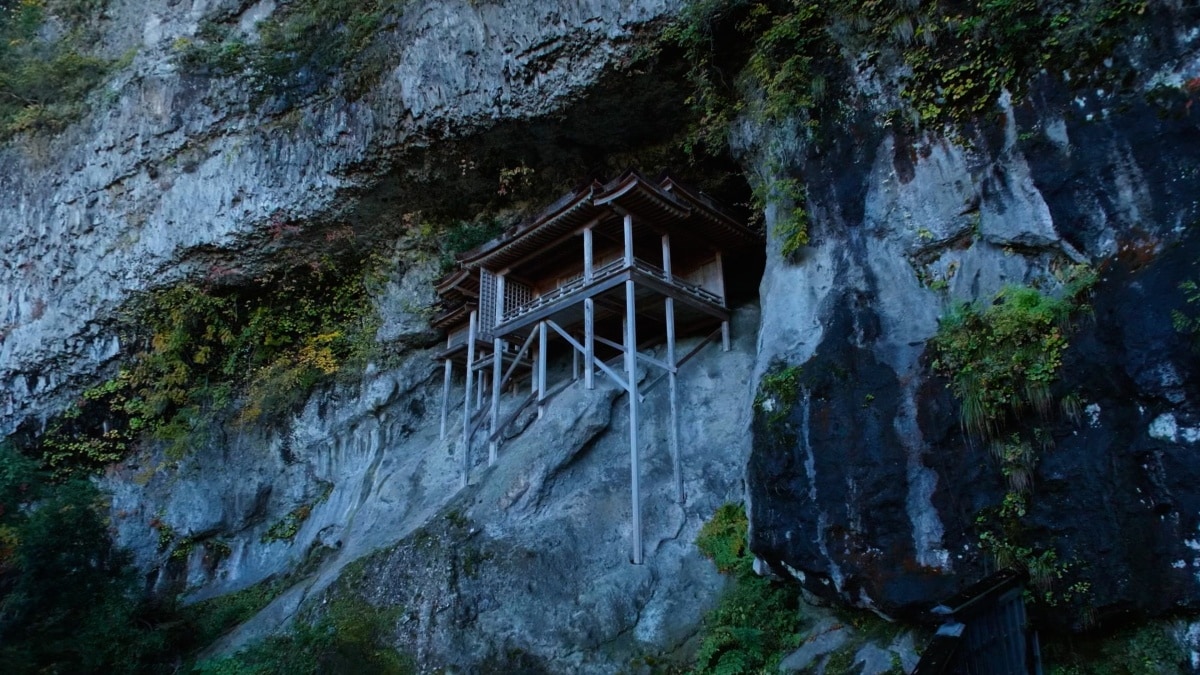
<point x="177" y="174"/>
<point x="530" y="560"/>
<point x="871" y="497"/>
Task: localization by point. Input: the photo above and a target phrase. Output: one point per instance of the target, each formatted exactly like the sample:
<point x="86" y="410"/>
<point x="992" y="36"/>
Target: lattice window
<point x="516" y="295"/>
<point x="487" y="302"/>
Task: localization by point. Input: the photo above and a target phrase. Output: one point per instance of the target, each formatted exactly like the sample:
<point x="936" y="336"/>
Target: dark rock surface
<point x="871" y="492"/>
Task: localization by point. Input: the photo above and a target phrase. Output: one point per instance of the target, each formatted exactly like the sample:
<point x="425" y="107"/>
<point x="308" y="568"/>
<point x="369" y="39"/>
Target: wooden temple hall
<point x="605" y="272"/>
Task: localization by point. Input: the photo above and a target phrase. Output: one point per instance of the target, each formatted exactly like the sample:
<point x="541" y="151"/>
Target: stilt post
<point x="672" y="378"/>
<point x="497" y="376"/>
<point x="589" y="343"/>
<point x="631" y="378"/>
<point x="628" y="240"/>
<point x="541" y="370"/>
<point x="588" y="261"/>
<point x="724" y="301"/>
<point x="479" y="390"/>
<point x="449" y="372"/>
<point x="589" y="315"/>
<point x="466" y="439"/>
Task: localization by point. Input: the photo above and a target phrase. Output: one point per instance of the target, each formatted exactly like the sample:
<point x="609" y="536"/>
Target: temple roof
<point x="454" y="316"/>
<point x="665" y="204"/>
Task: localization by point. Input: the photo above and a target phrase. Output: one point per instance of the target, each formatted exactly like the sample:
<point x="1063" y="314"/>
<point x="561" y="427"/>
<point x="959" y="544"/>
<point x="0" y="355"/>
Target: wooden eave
<point x="453" y="317"/>
<point x="665" y="207"/>
<point x="705" y="208"/>
<point x="633" y="194"/>
<point x="568" y="213"/>
<point x="459" y="282"/>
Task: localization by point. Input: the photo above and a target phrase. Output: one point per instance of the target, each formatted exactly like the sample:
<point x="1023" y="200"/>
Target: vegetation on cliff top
<point x="787" y="62"/>
<point x="46" y="69"/>
<point x="301" y="49"/>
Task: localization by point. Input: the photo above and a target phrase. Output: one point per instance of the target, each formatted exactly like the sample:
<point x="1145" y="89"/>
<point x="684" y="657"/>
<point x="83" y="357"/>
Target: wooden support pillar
<point x="494" y="445"/>
<point x="479" y="389"/>
<point x="501" y="305"/>
<point x="672" y="378"/>
<point x="466" y="437"/>
<point x="631" y="375"/>
<point x="449" y="372"/>
<point x="628" y="240"/>
<point x="587" y="255"/>
<point x="724" y="301"/>
<point x="589" y="343"/>
<point x="541" y="370"/>
<point x="497" y="366"/>
<point x="666" y="255"/>
<point x="574" y="365"/>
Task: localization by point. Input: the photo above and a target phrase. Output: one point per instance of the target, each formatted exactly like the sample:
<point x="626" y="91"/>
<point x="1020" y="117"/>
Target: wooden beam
<point x="517" y="361"/>
<point x="449" y="372"/>
<point x="466" y="439"/>
<point x="666" y="255"/>
<point x="648" y="359"/>
<point x="479" y="388"/>
<point x="602" y="365"/>
<point x="672" y="387"/>
<point x="724" y="301"/>
<point x="541" y="369"/>
<point x="631" y="374"/>
<point x="588" y="259"/>
<point x="695" y="350"/>
<point x="628" y="223"/>
<point x="566" y="301"/>
<point x="497" y="383"/>
<point x="589" y="345"/>
<point x="663" y="288"/>
<point x="500" y="301"/>
<point x="523" y="405"/>
<point x="546" y="247"/>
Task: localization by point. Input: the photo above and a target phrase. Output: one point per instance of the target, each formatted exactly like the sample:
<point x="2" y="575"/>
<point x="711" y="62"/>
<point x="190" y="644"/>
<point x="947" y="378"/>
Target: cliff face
<point x="868" y="487"/>
<point x="178" y="173"/>
<point x="862" y="481"/>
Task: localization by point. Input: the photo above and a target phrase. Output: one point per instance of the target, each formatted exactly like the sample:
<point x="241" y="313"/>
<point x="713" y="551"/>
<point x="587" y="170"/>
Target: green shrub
<point x="350" y="638"/>
<point x="1150" y="649"/>
<point x="211" y="619"/>
<point x="43" y="82"/>
<point x="300" y="50"/>
<point x="68" y="602"/>
<point x="791" y="226"/>
<point x="1002" y="359"/>
<point x="200" y="346"/>
<point x="780" y="58"/>
<point x="464" y="236"/>
<point x="1182" y="321"/>
<point x="289" y="525"/>
<point x="757" y="619"/>
<point x="777" y="394"/>
<point x="723" y="540"/>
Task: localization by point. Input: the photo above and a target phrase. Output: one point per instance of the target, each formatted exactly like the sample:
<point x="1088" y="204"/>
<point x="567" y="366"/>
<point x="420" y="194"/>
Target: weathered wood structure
<point x="607" y="270"/>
